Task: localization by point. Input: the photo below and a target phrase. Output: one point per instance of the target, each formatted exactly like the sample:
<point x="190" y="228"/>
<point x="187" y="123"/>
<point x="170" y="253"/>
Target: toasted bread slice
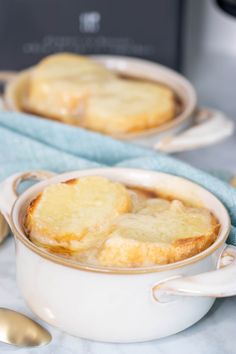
<point x="75" y="89"/>
<point x="124" y="106"/>
<point x="161" y="232"/>
<point x="60" y="84"/>
<point x="76" y="214"/>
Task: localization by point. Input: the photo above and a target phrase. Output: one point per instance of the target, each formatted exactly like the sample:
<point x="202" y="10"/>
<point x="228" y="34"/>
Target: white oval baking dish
<point x="120" y="304"/>
<point x="192" y="128"/>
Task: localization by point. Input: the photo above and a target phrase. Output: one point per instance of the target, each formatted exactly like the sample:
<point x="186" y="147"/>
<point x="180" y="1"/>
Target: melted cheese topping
<point x="98" y="221"/>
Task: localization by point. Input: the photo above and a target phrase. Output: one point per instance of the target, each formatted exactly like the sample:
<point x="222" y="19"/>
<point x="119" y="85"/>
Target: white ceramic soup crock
<point x="120" y="304"/>
<point x="192" y="127"/>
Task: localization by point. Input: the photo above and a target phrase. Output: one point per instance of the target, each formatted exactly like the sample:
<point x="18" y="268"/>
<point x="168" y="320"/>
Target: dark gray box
<point x="32" y="29"/>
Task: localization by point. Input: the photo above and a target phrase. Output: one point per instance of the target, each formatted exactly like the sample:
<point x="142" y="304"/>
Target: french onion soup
<point x="75" y="89"/>
<point x="97" y="221"/>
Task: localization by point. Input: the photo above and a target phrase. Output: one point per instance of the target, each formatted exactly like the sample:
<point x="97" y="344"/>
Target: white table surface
<point x="214" y="334"/>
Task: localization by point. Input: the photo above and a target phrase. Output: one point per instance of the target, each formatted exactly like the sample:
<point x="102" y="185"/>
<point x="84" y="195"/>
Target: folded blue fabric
<point x="28" y="142"/>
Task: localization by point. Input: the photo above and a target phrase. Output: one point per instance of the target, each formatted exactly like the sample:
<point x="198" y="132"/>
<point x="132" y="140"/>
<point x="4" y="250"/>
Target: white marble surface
<point x="214" y="334"/>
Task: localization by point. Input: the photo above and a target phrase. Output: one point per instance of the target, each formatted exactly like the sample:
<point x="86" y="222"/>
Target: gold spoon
<point x="20" y="331"/>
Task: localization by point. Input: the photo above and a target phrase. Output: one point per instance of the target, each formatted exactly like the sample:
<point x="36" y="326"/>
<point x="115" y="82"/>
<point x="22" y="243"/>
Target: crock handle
<point x="9" y="194"/>
<point x="210" y="126"/>
<point x="217" y="283"/>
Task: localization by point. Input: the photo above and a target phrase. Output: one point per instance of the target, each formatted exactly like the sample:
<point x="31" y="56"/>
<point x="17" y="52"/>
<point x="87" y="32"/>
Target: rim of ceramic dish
<point x="129" y="66"/>
<point x="222" y="236"/>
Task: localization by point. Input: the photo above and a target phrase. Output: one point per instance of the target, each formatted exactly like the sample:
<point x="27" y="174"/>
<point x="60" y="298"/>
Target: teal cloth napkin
<point x="28" y="142"/>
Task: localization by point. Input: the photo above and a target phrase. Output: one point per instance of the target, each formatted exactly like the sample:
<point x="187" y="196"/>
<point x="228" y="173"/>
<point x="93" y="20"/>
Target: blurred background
<point x="197" y="38"/>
